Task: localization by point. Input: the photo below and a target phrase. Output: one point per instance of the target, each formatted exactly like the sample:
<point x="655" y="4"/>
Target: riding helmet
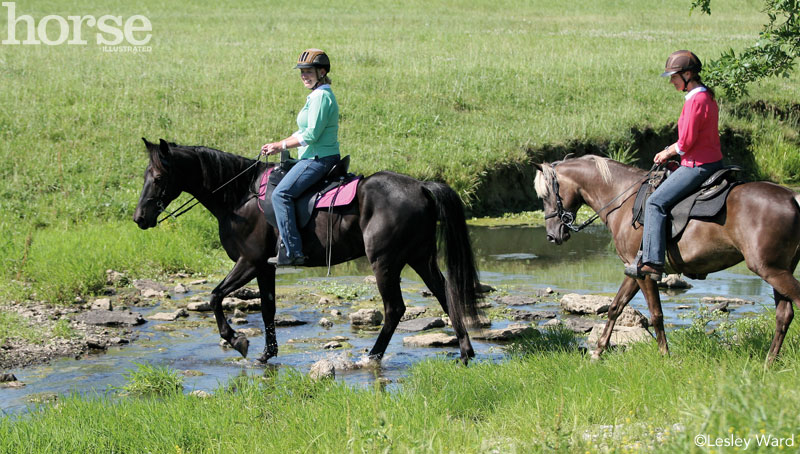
<point x="681" y="61"/>
<point x="314" y="58"/>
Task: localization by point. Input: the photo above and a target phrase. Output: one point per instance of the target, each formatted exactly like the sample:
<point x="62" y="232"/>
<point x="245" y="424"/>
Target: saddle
<point x="706" y="202"/>
<point x="336" y="189"/>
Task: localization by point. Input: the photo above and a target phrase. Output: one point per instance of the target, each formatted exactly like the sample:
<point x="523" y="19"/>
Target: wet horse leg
<point x="266" y="287"/>
<point x="240" y="275"/>
<point x="650" y="289"/>
<point x="388" y="280"/>
<point x="624" y="295"/>
<point x="432" y="276"/>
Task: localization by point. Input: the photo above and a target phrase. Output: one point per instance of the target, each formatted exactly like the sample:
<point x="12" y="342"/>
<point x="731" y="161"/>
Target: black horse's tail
<point x="462" y="274"/>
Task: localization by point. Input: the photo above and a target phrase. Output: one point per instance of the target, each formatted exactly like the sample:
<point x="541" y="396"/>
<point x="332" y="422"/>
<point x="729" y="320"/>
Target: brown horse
<point x="760" y="225"/>
<point x="393" y="224"/>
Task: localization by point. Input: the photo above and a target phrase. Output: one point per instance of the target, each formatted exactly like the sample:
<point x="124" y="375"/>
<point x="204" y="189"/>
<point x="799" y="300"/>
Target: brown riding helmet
<point x="314" y="58"/>
<point x="681" y="61"/>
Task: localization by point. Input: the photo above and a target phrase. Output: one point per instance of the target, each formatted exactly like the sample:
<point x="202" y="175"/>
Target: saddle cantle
<point x="706" y="202"/>
<point x="336" y="189"/>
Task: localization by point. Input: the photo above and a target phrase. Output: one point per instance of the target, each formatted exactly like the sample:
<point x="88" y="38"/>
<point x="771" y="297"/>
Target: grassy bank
<point x="442" y="90"/>
<point x="547" y="397"/>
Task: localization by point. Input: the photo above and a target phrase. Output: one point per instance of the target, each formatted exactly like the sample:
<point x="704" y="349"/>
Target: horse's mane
<point x="217" y="167"/>
<point x="541" y="182"/>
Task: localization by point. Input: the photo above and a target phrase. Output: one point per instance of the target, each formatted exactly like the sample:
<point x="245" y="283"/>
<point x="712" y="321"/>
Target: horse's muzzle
<point x="144" y="222"/>
<point x="560" y="236"/>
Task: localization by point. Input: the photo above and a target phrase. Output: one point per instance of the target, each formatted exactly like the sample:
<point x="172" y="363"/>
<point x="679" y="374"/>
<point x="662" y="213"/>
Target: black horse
<point x="393" y="224"/>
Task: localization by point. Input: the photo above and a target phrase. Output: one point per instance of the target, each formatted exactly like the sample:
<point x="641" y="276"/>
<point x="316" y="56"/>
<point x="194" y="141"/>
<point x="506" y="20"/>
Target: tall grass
<point x="550" y="400"/>
<point x="436" y="90"/>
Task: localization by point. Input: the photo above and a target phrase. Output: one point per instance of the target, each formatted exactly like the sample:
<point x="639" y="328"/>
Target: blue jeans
<point x="301" y="177"/>
<point x="680" y="183"/>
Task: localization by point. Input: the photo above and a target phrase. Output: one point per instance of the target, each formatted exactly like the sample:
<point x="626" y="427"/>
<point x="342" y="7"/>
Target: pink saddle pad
<point x="340" y="196"/>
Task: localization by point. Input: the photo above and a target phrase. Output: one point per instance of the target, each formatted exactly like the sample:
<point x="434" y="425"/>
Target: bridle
<point x="568" y="218"/>
<point x="181" y="210"/>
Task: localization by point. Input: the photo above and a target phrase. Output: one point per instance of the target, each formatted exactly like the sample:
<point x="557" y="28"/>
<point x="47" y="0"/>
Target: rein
<point x="181" y="210"/>
<point x="568" y="218"/>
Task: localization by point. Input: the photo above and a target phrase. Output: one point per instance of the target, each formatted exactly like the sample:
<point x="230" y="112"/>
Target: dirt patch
<point x="56" y="335"/>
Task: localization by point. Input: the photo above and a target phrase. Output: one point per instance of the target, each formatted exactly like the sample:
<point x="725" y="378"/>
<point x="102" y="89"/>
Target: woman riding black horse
<point x="318" y="144"/>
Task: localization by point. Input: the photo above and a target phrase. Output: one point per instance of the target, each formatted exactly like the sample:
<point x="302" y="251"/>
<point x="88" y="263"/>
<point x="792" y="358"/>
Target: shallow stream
<point x="513" y="260"/>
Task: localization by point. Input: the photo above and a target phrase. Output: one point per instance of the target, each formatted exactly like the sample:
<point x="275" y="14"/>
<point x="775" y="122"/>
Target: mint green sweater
<point x="319" y="125"/>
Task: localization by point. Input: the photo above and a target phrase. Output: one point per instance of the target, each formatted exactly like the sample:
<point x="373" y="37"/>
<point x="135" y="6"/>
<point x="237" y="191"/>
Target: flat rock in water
<point x="516" y="300"/>
<point x="722" y="299"/>
<point x="250" y="332"/>
<point x="622" y="335"/>
<point x="366" y="317"/>
<point x="168" y="316"/>
<point x="246" y="293"/>
<point x="585" y="304"/>
<point x="674" y="281"/>
<point x="519" y="314"/>
<point x="413" y="312"/>
<point x="579" y="325"/>
<point x="505" y="334"/>
<point x="180" y="288"/>
<point x="331" y="345"/>
<point x="431" y="340"/>
<point x="288" y="320"/>
<point x="231" y="303"/>
<point x="201" y="306"/>
<point x="110" y="318"/>
<point x="421" y="324"/>
<point x="322" y="369"/>
<point x="7" y="378"/>
<point x="632" y="317"/>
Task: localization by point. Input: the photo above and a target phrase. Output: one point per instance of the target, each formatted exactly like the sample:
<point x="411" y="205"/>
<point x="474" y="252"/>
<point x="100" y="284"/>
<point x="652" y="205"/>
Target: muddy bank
<point x="57" y="334"/>
<point x="508" y="187"/>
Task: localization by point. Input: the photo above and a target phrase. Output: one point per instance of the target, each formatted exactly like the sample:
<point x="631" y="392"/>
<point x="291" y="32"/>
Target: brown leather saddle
<point x="706" y="202"/>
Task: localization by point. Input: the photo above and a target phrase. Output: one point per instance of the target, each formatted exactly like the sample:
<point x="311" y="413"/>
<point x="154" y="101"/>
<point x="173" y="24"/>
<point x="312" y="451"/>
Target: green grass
<point x="13" y="325"/>
<point x="441" y="90"/>
<point x="546" y="398"/>
<point x="150" y="380"/>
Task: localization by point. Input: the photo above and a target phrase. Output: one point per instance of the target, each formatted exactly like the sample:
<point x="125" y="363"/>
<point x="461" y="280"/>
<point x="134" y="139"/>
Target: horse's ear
<point x="538" y="166"/>
<point x="148" y="144"/>
<point x="162" y="154"/>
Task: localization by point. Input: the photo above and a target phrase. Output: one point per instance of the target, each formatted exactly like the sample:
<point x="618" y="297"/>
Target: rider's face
<point x="309" y="77"/>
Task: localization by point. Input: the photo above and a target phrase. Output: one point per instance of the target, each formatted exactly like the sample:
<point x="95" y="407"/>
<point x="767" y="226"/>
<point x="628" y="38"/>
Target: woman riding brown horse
<point x="760" y="225"/>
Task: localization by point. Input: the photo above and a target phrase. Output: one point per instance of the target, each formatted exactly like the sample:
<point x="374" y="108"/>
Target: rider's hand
<point x="271" y="148"/>
<point x="663" y="155"/>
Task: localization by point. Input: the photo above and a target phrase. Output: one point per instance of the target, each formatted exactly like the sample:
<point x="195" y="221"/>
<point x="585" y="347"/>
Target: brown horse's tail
<point x="462" y="274"/>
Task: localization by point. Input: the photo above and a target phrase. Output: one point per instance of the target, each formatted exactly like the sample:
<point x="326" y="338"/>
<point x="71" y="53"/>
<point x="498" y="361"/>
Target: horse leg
<point x="388" y="280"/>
<point x="240" y="275"/>
<point x="650" y="290"/>
<point x="266" y="286"/>
<point x="432" y="276"/>
<point x="786" y="290"/>
<point x="624" y="295"/>
<point x="784" y="313"/>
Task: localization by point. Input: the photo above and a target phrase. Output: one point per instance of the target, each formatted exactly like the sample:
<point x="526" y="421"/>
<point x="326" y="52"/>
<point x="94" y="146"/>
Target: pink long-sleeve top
<point x="698" y="129"/>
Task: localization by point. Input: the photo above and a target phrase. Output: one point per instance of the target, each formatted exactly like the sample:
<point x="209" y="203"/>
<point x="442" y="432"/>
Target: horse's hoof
<point x="268" y="353"/>
<point x="241" y="344"/>
<point x="595" y="356"/>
